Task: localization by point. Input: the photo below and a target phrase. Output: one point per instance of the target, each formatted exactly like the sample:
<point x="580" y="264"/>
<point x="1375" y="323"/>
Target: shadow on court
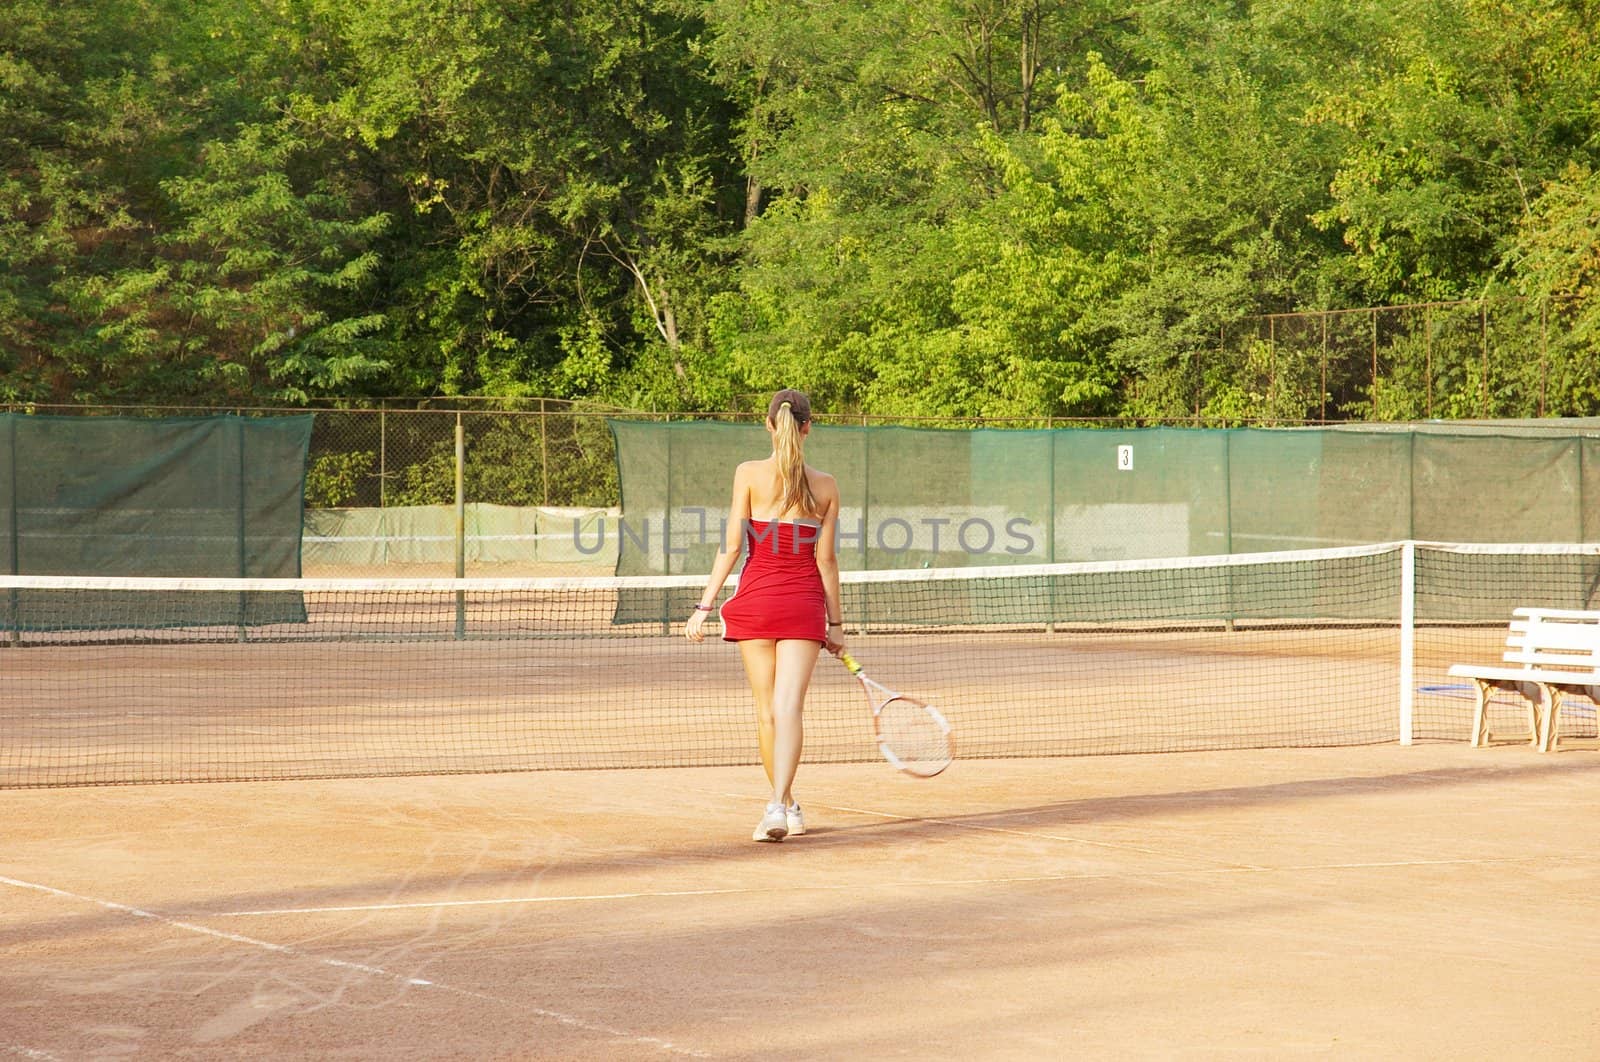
<point x="1201" y="801"/>
<point x="731" y="850"/>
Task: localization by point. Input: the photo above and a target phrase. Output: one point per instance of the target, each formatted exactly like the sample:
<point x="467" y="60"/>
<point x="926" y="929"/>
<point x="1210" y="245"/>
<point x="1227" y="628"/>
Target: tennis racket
<point x="911" y="734"/>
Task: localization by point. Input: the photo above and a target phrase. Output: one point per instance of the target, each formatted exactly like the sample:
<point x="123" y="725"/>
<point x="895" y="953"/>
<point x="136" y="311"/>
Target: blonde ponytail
<point x="794" y="489"/>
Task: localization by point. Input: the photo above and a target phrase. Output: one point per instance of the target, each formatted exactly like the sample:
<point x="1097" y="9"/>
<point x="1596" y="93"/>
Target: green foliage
<point x="333" y="478"/>
<point x="559" y="169"/>
<point x="1555" y="260"/>
<point x="906" y="309"/>
<point x="910" y="207"/>
<point x="259" y="268"/>
<point x="164" y="235"/>
<point x="1468" y="109"/>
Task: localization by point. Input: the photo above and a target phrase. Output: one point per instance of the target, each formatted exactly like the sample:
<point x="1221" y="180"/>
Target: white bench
<point x="1549" y="652"/>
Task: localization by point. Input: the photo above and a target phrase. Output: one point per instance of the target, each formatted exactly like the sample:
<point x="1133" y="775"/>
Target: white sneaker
<point x="774" y="824"/>
<point x="796" y="821"/>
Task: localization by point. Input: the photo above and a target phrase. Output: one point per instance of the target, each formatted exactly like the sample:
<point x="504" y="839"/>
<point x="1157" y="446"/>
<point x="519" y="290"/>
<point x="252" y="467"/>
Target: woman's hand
<point x="692" y="629"/>
<point x="834" y="642"/>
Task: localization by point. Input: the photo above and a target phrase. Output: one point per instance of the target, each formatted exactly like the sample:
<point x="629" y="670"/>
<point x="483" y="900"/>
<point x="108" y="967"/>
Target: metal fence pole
<point x="1272" y="358"/>
<point x="1427" y="355"/>
<point x="383" y="451"/>
<point x="544" y="450"/>
<point x="1374" y="358"/>
<point x="1483" y="329"/>
<point x="1323" y="415"/>
<point x="1544" y="350"/>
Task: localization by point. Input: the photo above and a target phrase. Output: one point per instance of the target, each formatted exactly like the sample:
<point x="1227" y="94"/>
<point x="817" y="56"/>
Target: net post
<point x="461" y="527"/>
<point x="1050" y="531"/>
<point x="865" y="596"/>
<point x="1408" y="638"/>
<point x="1229" y="573"/>
<point x="241" y="529"/>
<point x="13" y="601"/>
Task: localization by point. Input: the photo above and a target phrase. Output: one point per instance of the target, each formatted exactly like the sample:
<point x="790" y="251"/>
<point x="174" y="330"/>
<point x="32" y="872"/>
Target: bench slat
<point x="1555" y="637"/>
<point x="1583" y="658"/>
<point x="1589" y="615"/>
<point x="1519" y="674"/>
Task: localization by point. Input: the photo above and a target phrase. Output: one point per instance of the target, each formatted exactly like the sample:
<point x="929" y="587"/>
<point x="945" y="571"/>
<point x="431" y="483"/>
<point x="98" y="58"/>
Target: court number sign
<point x="1125" y="458"/>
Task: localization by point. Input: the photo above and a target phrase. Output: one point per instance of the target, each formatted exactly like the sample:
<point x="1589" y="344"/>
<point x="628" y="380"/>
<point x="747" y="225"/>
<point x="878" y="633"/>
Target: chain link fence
<point x="538" y="453"/>
<point x="1470" y="359"/>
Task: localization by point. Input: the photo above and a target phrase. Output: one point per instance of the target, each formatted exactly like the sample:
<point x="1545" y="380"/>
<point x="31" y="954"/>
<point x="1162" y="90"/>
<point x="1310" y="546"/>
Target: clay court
<point x="1433" y="901"/>
<point x="1217" y="900"/>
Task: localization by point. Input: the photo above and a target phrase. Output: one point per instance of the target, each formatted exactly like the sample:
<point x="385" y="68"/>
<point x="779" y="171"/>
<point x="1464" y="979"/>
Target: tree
<point x="560" y="172"/>
<point x="1470" y="108"/>
<point x="892" y="171"/>
<point x="1555" y="262"/>
<point x="140" y="268"/>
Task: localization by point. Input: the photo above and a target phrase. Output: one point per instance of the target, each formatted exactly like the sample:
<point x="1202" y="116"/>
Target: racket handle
<point x="850" y="663"/>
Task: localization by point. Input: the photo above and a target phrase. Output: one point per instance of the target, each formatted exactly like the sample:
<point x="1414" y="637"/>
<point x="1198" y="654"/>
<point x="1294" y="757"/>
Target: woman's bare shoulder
<point x="821" y="482"/>
<point x="750" y="468"/>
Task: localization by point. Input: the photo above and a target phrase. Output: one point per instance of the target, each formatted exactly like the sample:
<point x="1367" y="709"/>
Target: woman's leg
<point x="760" y="664"/>
<point x="795" y="660"/>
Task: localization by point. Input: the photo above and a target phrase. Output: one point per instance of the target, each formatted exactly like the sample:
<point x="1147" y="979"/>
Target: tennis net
<point x="114" y="680"/>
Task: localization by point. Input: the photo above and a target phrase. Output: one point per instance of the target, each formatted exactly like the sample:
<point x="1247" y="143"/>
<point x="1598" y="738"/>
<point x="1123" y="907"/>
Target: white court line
<point x="869" y="886"/>
<point x="490" y="903"/>
<point x="375" y="971"/>
<point x="18" y="1051"/>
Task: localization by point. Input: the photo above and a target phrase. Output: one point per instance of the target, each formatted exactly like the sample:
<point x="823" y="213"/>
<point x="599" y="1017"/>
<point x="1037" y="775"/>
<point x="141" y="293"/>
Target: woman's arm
<point x="828" y="566"/>
<point x="732" y="543"/>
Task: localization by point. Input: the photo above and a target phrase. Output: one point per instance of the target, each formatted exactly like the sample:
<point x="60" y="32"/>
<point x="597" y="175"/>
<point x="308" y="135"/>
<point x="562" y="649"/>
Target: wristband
<point x="836" y="623"/>
<point x="705" y="608"/>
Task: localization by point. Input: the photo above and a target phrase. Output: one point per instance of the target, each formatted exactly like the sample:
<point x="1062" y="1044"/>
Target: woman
<point x="787" y="602"/>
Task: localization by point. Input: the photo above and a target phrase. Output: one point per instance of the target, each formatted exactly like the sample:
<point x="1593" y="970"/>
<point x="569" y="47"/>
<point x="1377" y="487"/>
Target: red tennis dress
<point x="780" y="589"/>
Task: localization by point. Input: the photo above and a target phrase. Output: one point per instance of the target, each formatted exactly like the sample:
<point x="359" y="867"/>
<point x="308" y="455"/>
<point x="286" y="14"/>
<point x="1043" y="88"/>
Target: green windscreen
<point x="933" y="498"/>
<point x="201" y="496"/>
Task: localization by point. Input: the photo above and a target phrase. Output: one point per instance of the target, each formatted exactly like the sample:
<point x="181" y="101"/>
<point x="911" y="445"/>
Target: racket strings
<point x="912" y="735"/>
